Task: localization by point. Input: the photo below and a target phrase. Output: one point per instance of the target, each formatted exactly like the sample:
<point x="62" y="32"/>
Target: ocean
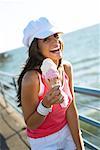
<point x="82" y="49"/>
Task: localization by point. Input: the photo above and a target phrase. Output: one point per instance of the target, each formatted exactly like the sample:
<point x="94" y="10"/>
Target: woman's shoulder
<point x="30" y="78"/>
<point x="67" y="65"/>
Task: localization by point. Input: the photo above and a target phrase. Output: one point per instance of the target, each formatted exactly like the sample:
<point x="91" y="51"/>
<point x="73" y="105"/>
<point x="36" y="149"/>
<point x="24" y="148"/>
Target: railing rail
<point x="87" y="91"/>
<point x="5" y="85"/>
<point x="90" y="121"/>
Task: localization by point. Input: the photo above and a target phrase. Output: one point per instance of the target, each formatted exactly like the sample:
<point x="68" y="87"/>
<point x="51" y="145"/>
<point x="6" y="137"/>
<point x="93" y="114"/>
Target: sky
<point x="71" y="15"/>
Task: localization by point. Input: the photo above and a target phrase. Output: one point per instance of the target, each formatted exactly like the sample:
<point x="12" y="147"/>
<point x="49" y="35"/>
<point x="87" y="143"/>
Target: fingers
<point x="54" y="89"/>
<point x="53" y="93"/>
<point x="54" y="96"/>
<point x="58" y="99"/>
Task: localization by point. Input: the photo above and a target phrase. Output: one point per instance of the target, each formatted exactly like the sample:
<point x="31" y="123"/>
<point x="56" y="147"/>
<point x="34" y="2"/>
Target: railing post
<point x="14" y="82"/>
<point x="3" y="94"/>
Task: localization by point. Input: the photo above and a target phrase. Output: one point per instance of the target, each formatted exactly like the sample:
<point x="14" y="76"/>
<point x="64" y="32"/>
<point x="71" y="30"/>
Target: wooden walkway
<point x="12" y="129"/>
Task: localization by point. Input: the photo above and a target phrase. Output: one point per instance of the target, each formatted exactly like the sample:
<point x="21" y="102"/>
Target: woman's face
<point x="50" y="47"/>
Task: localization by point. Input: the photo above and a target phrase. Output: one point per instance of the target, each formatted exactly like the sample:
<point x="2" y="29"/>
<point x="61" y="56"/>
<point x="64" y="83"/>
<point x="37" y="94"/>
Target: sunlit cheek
<point x="45" y="53"/>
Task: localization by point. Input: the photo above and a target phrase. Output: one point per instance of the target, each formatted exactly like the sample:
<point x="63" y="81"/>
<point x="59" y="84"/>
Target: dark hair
<point x="34" y="61"/>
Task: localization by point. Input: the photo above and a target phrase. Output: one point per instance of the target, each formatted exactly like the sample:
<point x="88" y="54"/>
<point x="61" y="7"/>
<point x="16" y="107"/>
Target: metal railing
<point x="90" y="92"/>
<point x="8" y="82"/>
<point x="87" y="91"/>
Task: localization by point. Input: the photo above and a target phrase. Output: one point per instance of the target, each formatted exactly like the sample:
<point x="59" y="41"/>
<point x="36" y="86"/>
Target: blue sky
<point x="71" y="15"/>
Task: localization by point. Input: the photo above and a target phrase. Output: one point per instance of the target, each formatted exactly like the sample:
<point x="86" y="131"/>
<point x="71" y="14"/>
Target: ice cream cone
<point x="50" y="72"/>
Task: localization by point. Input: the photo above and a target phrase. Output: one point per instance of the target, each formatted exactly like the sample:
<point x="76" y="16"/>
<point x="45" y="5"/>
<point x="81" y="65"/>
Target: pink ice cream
<point x="53" y="76"/>
<point x="47" y="66"/>
<point x="50" y="72"/>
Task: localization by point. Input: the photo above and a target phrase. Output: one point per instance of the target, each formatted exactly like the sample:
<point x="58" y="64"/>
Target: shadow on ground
<point x="3" y="144"/>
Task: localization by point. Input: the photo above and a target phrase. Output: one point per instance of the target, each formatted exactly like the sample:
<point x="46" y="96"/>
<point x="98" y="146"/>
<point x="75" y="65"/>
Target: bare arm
<point x="29" y="99"/>
<point x="72" y="114"/>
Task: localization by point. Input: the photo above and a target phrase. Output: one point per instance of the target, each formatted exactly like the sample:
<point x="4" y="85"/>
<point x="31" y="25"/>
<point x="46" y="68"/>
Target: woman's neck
<point x="56" y="62"/>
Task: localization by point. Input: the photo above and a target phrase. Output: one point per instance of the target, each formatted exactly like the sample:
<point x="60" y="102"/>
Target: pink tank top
<point x="56" y="119"/>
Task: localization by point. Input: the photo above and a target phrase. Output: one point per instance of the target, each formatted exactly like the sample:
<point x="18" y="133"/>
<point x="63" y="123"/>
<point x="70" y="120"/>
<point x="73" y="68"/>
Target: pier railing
<point x="8" y="89"/>
<point x="88" y="120"/>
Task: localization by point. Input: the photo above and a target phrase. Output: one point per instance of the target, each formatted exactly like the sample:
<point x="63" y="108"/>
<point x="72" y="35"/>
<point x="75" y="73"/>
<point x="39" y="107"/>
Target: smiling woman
<point x="44" y="115"/>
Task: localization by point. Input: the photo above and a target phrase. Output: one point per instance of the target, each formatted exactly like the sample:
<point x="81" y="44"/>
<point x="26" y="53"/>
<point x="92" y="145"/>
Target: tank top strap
<point x="41" y="91"/>
<point x="43" y="86"/>
<point x="66" y="76"/>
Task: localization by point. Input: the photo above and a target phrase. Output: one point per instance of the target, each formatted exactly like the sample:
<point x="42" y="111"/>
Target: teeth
<point x="55" y="48"/>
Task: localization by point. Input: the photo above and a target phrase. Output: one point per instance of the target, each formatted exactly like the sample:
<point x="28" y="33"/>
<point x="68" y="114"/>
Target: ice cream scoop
<point x="50" y="72"/>
<point x="48" y="65"/>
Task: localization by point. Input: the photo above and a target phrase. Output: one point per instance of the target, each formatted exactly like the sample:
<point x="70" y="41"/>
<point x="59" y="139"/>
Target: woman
<point x="49" y="126"/>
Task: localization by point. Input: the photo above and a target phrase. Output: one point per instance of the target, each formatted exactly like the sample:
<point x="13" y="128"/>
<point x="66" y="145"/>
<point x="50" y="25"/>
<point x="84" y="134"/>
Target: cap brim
<point x="48" y="33"/>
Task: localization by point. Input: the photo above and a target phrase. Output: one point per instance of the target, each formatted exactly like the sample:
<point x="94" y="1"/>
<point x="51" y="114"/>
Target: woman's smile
<point x="55" y="51"/>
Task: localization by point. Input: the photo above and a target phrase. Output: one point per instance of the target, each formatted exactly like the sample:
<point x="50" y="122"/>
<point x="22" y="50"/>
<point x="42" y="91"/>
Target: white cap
<point x="40" y="29"/>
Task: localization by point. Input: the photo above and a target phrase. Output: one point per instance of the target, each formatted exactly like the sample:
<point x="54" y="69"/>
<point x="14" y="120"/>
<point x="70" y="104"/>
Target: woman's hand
<point x="53" y="96"/>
